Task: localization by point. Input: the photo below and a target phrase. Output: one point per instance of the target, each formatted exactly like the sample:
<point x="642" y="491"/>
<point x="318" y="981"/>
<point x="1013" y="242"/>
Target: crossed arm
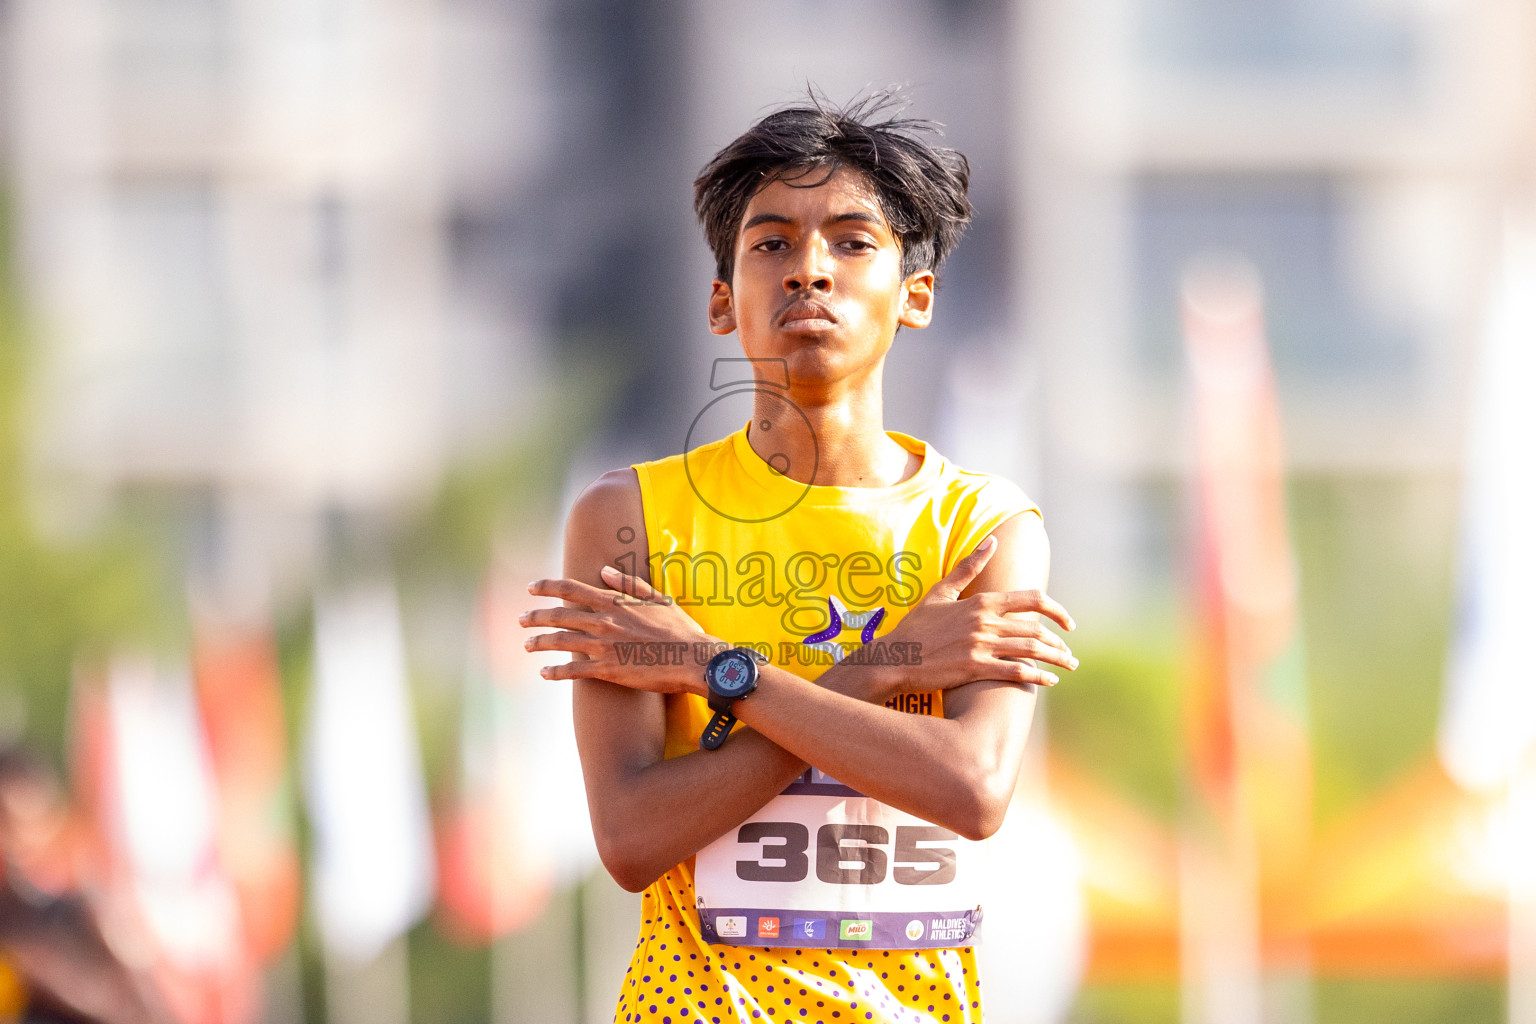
<point x="649" y="813"/>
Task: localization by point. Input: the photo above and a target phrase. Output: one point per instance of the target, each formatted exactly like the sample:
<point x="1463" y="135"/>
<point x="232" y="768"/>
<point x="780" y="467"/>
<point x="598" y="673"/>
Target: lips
<point x="807" y="314"/>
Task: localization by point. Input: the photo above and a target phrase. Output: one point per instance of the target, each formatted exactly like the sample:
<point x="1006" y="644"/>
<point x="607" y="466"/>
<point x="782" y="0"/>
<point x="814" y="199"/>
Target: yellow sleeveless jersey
<point x="758" y="559"/>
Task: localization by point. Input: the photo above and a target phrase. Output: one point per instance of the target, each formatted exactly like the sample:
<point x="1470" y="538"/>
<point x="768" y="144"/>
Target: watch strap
<point x="719" y="727"/>
<point x="716" y="731"/>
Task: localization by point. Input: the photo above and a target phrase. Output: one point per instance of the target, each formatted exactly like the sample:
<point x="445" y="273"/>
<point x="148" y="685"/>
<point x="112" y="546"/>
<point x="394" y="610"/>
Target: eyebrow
<point x="779" y="218"/>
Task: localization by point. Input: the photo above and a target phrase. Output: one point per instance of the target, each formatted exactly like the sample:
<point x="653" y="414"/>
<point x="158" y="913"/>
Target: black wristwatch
<point x="730" y="676"/>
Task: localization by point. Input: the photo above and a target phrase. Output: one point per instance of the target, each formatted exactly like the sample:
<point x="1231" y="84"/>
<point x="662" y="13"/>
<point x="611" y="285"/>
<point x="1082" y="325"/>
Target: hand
<point x="985" y="636"/>
<point x="631" y="634"/>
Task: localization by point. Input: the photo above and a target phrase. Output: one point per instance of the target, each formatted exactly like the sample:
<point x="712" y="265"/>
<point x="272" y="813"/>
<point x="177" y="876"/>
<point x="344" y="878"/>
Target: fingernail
<point x="544" y="671"/>
<point x="1053" y="680"/>
<point x="528" y="644"/>
<point x="1074" y="663"/>
<point x="532" y="585"/>
<point x="1071" y="623"/>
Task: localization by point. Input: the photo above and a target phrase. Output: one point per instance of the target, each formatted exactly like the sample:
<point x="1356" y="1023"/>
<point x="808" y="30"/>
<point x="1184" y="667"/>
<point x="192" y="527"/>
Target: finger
<point x="1022" y="672"/>
<point x="558" y="617"/>
<point x="633" y="586"/>
<point x="1033" y="601"/>
<point x="565" y="640"/>
<point x="575" y="591"/>
<point x="1035" y="650"/>
<point x="1017" y="624"/>
<point x="573" y="670"/>
<point x="965" y="570"/>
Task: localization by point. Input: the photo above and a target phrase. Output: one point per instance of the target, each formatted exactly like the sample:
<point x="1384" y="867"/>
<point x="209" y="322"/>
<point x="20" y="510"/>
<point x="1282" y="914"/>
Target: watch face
<point x="732" y="675"/>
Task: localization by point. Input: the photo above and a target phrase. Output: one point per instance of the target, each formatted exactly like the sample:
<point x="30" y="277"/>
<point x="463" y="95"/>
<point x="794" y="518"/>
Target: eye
<point x="858" y="244"/>
<point x="771" y="245"/>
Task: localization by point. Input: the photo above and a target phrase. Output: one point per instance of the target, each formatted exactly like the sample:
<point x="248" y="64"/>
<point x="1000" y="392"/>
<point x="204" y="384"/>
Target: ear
<point x="917" y="300"/>
<point x="722" y="312"/>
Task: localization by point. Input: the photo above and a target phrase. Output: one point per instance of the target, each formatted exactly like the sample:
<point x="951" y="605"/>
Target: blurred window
<point x="1290" y="227"/>
<point x="332" y="221"/>
<point x="1286" y="36"/>
<point x="170" y="56"/>
<point x="170" y="255"/>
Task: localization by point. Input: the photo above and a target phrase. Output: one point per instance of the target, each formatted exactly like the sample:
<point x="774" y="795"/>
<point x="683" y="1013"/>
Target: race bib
<point x="823" y="865"/>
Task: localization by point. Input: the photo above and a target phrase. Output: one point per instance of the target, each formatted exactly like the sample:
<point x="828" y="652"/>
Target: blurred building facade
<point x="249" y="236"/>
<point x="309" y="251"/>
<point x="1358" y="156"/>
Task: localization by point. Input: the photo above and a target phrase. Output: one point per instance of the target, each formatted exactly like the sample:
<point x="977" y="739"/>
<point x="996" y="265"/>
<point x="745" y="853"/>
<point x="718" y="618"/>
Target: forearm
<point x="949" y="771"/>
<point x="650" y="815"/>
<point x="651" y="818"/>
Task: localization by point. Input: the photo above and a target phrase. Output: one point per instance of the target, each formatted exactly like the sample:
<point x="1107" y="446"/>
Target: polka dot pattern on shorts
<point x="675" y="977"/>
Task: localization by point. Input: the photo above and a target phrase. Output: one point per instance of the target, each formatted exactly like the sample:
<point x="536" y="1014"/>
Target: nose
<point x="811" y="271"/>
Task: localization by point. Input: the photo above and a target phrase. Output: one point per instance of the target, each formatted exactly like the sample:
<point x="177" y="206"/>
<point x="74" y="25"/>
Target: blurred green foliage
<point x="1117" y="716"/>
<point x="1409" y="1000"/>
<point x="62" y="601"/>
<point x="1145" y="1002"/>
<point x="1334" y="1001"/>
<point x="1377" y="556"/>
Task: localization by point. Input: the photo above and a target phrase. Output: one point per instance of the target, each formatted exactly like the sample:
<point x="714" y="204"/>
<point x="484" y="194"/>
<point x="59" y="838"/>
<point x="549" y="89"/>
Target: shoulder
<point x="615" y="494"/>
<point x="608" y="518"/>
<point x="1022" y="560"/>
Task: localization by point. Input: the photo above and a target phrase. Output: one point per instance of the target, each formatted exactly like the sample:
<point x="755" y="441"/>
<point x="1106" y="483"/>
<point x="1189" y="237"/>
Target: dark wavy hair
<point x="921" y="188"/>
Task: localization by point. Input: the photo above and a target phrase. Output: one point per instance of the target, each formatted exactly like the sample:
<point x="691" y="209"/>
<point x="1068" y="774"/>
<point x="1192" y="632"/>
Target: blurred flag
<point x="497" y="866"/>
<point x="160" y="810"/>
<point x="1252" y="714"/>
<point x="538" y="720"/>
<point x="1246" y="711"/>
<point x="242" y="708"/>
<point x="1489" y="717"/>
<point x="1487" y="739"/>
<point x="372" y="869"/>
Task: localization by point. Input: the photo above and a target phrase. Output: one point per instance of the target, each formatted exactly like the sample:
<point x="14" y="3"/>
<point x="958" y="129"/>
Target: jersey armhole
<point x="978" y="533"/>
<point x="648" y="516"/>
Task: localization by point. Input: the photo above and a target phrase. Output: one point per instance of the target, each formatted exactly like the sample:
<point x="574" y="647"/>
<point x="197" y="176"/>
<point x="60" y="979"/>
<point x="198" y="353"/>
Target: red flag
<point x="496" y="868"/>
<point x="1245" y="711"/>
<point x="143" y="772"/>
<point x="242" y="710"/>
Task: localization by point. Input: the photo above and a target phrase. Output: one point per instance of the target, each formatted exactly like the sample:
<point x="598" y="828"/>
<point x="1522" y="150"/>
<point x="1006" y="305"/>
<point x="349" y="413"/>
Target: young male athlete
<point x="856" y="606"/>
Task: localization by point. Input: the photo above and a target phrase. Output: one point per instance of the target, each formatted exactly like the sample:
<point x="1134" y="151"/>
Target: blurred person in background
<point x="718" y="585"/>
<point x="55" y="963"/>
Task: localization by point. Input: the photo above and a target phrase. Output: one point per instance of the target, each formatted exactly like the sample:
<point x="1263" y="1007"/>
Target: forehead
<point x="812" y="196"/>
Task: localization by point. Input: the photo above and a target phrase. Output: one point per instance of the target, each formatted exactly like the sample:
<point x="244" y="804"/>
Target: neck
<point x="846" y="446"/>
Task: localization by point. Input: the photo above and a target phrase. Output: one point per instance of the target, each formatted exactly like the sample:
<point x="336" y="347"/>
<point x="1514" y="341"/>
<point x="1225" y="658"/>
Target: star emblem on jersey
<point x="840" y="619"/>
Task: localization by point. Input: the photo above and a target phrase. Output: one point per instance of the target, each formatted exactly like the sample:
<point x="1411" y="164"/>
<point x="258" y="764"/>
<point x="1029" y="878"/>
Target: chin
<point x="817" y="364"/>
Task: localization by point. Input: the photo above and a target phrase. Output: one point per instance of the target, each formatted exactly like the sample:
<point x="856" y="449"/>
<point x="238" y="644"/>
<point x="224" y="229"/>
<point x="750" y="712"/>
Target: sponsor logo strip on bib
<point x="799" y="928"/>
